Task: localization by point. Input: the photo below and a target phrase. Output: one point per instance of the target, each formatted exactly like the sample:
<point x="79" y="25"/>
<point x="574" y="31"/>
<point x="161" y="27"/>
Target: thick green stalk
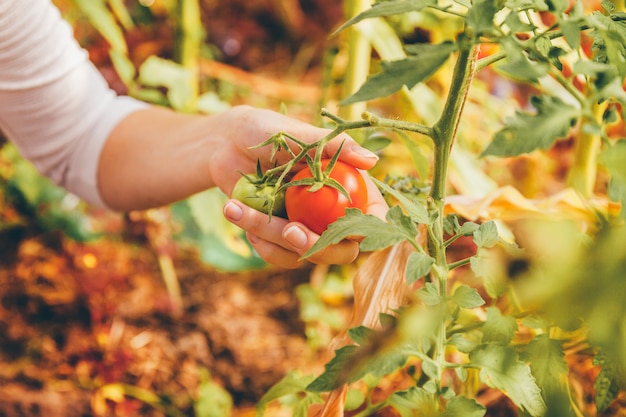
<point x="444" y="133"/>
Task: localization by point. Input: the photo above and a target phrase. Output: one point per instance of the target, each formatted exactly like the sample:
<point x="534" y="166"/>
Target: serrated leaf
<point x="348" y="366"/>
<point x="429" y="294"/>
<point x="334" y="371"/>
<point x="402" y="222"/>
<point x="467" y="228"/>
<point x="520" y="68"/>
<point x="378" y="234"/>
<point x="429" y="368"/>
<point x="360" y="334"/>
<point x="486" y="236"/>
<point x="516" y="24"/>
<point x="463" y="407"/>
<point x="404" y="72"/>
<point x="613" y="40"/>
<point x="501" y="369"/>
<point x="526" y="132"/>
<point x="481" y="16"/>
<point x="547" y="361"/>
<point x="418" y="213"/>
<point x="571" y="32"/>
<point x="292" y="383"/>
<point x="415" y="398"/>
<point x="498" y="328"/>
<point x="418" y="266"/>
<point x="462" y="343"/>
<point x="388" y="8"/>
<point x="467" y="297"/>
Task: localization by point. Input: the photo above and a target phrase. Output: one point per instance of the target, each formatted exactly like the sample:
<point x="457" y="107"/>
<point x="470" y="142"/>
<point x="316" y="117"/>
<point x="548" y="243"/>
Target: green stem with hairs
<point x="443" y="134"/>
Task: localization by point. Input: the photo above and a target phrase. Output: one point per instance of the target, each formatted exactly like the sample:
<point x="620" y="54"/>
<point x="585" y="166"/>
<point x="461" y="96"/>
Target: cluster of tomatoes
<point x="316" y="206"/>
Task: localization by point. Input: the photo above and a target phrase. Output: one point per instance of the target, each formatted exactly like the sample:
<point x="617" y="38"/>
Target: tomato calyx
<point x="321" y="178"/>
<point x="261" y="192"/>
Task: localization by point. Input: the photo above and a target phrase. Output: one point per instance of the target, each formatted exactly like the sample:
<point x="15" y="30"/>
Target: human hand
<point x="279" y="241"/>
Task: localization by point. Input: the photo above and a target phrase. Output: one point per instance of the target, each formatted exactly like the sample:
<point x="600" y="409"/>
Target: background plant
<point x="513" y="328"/>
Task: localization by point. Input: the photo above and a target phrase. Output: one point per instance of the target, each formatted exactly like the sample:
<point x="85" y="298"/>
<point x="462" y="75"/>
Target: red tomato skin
<point x="316" y="210"/>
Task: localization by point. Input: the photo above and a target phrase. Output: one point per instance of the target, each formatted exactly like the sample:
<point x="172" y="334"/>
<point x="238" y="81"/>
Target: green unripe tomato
<point x="258" y="195"/>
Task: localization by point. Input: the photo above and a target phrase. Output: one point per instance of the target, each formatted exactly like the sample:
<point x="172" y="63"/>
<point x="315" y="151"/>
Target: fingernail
<point x="232" y="211"/>
<point x="365" y="153"/>
<point x="295" y="236"/>
<point x="252" y="238"/>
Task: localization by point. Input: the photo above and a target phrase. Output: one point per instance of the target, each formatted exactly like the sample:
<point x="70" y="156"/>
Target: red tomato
<point x="318" y="209"/>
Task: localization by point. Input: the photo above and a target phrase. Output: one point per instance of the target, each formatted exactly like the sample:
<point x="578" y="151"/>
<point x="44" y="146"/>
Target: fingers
<point x="282" y="243"/>
<point x="301" y="239"/>
<point x="351" y="152"/>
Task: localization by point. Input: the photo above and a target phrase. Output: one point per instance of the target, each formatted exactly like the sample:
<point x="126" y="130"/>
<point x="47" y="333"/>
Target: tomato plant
<point x="316" y="207"/>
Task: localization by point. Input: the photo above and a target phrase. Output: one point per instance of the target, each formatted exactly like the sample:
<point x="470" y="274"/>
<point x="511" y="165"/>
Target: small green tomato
<point x="258" y="195"/>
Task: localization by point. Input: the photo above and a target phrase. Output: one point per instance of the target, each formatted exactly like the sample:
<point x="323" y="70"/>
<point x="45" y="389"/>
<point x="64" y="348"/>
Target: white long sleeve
<point x="54" y="104"/>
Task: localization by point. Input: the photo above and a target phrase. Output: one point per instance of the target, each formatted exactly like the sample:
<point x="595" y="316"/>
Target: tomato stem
<point x="443" y="134"/>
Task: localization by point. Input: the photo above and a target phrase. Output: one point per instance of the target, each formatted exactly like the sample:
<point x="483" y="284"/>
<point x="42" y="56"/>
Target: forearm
<point x="155" y="157"/>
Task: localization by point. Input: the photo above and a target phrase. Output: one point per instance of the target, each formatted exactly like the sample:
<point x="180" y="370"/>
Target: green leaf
<point x="388" y="8"/>
<point x="526" y="132"/>
<point x="213" y="399"/>
<point x="221" y="244"/>
<point x="378" y="234"/>
<point x="415" y="398"/>
<point x="498" y="328"/>
<point x="350" y="365"/>
<point x="429" y="294"/>
<point x="516" y="24"/>
<point x="488" y="266"/>
<point x="571" y="32"/>
<point x="416" y="211"/>
<point x="486" y="236"/>
<point x="403" y="223"/>
<point x="405" y="72"/>
<point x="418" y="155"/>
<point x="179" y="81"/>
<point x="606" y="385"/>
<point x="611" y="41"/>
<point x="334" y="374"/>
<point x="500" y="368"/>
<point x="463" y="407"/>
<point x="547" y="362"/>
<point x="418" y="266"/>
<point x="462" y="343"/>
<point x="481" y="16"/>
<point x="360" y="334"/>
<point x="520" y="68"/>
<point x="292" y="383"/>
<point x="467" y="297"/>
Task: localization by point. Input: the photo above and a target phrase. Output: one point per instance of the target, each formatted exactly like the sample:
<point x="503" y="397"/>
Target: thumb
<point x="351" y="152"/>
